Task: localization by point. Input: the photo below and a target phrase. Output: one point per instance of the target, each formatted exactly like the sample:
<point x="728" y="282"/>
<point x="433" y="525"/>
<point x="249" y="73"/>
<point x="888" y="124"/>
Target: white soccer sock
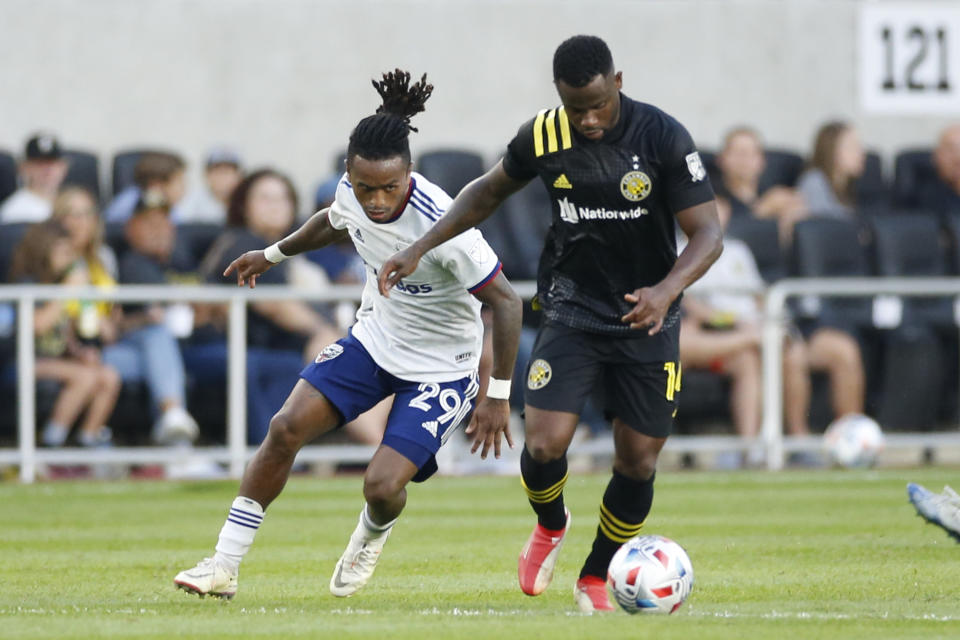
<point x="370" y="529"/>
<point x="238" y="532"/>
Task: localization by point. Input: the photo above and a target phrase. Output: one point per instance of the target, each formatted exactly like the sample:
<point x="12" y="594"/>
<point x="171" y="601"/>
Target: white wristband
<point x="273" y="253"/>
<point x="498" y="389"/>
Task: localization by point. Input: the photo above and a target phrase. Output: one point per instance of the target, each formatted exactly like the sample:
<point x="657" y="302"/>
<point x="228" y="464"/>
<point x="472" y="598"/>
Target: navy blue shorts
<point x="423" y="416"/>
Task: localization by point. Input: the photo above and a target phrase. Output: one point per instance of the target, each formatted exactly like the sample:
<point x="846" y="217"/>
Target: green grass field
<point x="794" y="555"/>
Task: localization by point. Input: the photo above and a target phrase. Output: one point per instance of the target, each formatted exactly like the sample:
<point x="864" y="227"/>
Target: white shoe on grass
<point x="175" y="426"/>
<point x="208" y="578"/>
<point x="357" y="564"/>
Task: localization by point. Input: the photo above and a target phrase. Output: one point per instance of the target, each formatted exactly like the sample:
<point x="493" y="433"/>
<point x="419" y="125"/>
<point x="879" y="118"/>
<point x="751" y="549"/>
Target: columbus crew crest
<point x="540" y="374"/>
<point x="635" y="186"/>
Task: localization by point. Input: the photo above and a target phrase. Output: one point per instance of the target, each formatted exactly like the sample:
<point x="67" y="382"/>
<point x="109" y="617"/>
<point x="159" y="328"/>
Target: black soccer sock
<point x="625" y="506"/>
<point x="543" y="482"/>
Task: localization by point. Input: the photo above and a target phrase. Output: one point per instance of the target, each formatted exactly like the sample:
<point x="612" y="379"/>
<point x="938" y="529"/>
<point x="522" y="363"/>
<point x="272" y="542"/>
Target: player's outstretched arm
<point x="492" y="416"/>
<point x="705" y="234"/>
<point x="315" y="233"/>
<point x="473" y="205"/>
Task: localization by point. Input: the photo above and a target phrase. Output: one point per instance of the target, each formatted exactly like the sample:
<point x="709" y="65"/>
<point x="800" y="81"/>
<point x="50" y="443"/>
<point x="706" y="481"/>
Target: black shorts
<point x="567" y="365"/>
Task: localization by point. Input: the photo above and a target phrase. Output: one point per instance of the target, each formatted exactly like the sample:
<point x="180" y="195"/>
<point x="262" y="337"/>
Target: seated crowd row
<point x="166" y="350"/>
<point x="152" y="232"/>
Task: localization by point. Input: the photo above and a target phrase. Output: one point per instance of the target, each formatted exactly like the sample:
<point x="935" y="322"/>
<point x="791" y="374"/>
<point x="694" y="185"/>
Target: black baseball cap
<point x="43" y="146"/>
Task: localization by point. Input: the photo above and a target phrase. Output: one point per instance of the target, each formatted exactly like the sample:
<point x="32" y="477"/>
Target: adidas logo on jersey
<point x="562" y="182"/>
<point x="431" y="427"/>
<point x="569" y="212"/>
<point x="358" y="235"/>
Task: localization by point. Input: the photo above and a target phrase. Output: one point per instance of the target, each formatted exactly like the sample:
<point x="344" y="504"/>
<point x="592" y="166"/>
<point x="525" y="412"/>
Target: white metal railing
<point x="773" y="333"/>
<point x="236" y="452"/>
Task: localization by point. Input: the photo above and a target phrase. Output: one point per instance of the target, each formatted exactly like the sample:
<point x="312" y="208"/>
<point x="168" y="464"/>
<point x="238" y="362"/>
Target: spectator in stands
<point x="76" y="211"/>
<point x="741" y="162"/>
<point x="944" y="196"/>
<point x="42" y="171"/>
<point x="340" y="260"/>
<point x="208" y="203"/>
<point x="829" y="185"/>
<point x="45" y="256"/>
<point x="156" y="176"/>
<point x="262" y="210"/>
<point x="721" y="331"/>
<point x="146" y="349"/>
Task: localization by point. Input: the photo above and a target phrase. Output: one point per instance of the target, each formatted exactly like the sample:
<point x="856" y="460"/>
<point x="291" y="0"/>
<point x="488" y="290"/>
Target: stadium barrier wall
<point x="236" y="452"/>
<point x="776" y="444"/>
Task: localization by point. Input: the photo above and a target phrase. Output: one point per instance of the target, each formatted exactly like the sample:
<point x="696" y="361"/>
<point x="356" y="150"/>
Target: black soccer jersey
<point x="614" y="202"/>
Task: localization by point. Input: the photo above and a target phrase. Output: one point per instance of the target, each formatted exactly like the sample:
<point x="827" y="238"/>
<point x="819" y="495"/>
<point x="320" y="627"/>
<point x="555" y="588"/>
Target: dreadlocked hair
<point x="580" y="59"/>
<point x="386" y="133"/>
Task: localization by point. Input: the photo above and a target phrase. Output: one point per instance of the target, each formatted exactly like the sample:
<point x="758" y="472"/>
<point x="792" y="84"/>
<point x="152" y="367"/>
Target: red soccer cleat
<point x="538" y="558"/>
<point x="590" y="594"/>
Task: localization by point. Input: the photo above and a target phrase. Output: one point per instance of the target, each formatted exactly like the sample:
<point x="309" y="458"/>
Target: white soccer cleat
<point x="357" y="564"/>
<point x="208" y="578"/>
<point x="941" y="509"/>
<point x="175" y="426"/>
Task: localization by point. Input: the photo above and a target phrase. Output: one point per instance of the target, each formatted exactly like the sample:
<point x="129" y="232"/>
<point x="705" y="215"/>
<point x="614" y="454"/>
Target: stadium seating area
<point x="907" y="362"/>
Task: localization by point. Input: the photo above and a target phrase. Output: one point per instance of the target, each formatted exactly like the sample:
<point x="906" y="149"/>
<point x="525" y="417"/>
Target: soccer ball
<point x="853" y="440"/>
<point x="650" y="574"/>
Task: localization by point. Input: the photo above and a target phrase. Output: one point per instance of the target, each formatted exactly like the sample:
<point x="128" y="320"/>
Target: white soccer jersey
<point x="429" y="329"/>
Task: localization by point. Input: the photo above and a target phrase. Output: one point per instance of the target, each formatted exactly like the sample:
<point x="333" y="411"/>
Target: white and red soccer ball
<point x="854" y="440"/>
<point x="650" y="574"/>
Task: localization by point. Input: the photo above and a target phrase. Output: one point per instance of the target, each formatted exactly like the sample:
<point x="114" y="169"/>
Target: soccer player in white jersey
<point x="422" y="344"/>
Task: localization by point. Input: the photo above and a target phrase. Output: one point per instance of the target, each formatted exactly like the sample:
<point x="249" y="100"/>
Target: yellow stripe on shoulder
<point x="538" y="133"/>
<point x="565" y="139"/>
<point x="557" y="126"/>
<point x="551" y="131"/>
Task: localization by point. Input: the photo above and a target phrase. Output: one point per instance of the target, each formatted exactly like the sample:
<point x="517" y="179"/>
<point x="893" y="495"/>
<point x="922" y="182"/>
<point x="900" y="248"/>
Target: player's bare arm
<point x="473" y="205"/>
<point x="492" y="416"/>
<point x="705" y="234"/>
<point x="315" y="233"/>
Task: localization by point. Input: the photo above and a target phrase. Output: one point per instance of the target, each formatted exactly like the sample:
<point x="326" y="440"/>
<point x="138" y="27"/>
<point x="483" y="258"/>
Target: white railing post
<point x="237" y="385"/>
<point x="772" y="358"/>
<point x="28" y="457"/>
<point x="26" y="391"/>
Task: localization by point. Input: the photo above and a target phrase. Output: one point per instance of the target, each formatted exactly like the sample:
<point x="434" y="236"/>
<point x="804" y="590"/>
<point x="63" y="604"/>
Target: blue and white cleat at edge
<point x="941" y="509"/>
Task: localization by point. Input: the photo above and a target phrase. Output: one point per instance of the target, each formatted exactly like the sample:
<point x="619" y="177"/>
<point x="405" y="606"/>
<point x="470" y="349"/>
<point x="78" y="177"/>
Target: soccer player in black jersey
<point x="622" y="174"/>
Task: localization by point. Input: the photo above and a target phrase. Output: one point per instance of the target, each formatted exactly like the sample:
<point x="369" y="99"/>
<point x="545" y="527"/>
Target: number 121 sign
<point x="910" y="58"/>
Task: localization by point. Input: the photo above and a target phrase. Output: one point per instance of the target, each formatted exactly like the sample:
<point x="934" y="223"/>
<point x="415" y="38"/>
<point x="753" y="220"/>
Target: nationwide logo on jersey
<point x="562" y="182"/>
<point x="695" y="165"/>
<point x="431" y="427"/>
<point x="329" y="352"/>
<point x="573" y="214"/>
<point x="635" y="186"/>
<point x="540" y="374"/>
<point x="358" y="235"/>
